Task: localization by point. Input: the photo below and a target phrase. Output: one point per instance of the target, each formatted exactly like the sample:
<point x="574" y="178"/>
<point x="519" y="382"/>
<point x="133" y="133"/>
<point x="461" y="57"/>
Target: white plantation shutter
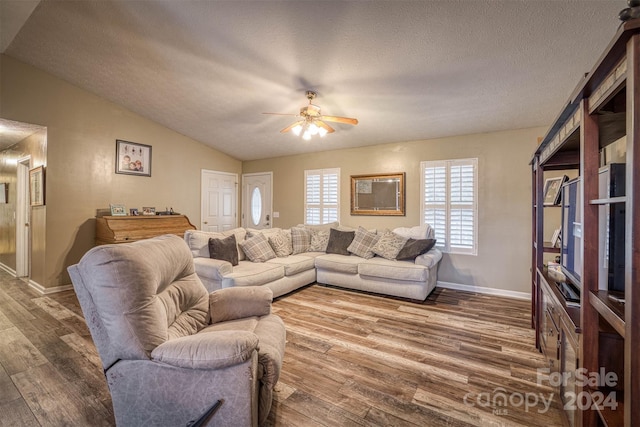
<point x="322" y="196"/>
<point x="449" y="203"/>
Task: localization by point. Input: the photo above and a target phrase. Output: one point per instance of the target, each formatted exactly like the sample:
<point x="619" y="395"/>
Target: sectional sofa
<point x="401" y="262"/>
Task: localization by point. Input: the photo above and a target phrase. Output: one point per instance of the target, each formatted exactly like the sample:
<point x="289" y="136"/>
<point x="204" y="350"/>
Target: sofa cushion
<point x="389" y="244"/>
<point x="314" y="227"/>
<point x="339" y="263"/>
<point x="319" y="241"/>
<point x="257" y="248"/>
<point x="339" y="241"/>
<point x="363" y="243"/>
<point x="198" y="241"/>
<point x="224" y="249"/>
<point x="294" y="264"/>
<point x="414" y="247"/>
<point x="281" y="243"/>
<point x="210" y="268"/>
<point x="248" y="273"/>
<point x="424" y="231"/>
<point x="392" y="269"/>
<point x="300" y="239"/>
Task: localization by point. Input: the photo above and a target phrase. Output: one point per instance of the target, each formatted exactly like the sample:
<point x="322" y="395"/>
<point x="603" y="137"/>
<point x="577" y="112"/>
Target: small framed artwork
<point x="134" y="212"/>
<point x="148" y="211"/>
<point x="36" y="186"/>
<point x="133" y="158"/>
<point x="118" y="210"/>
<point x="552" y="187"/>
<point x="4" y="193"/>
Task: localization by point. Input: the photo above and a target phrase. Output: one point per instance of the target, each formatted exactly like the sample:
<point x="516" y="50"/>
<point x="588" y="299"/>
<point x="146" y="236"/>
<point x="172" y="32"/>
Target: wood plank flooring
<point x="352" y="359"/>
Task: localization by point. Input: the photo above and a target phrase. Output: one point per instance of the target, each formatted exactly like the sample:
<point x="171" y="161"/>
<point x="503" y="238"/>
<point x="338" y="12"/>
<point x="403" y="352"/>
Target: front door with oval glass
<point x="256" y="200"/>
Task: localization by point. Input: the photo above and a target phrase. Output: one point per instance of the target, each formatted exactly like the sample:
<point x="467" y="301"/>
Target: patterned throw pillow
<point x="300" y="239"/>
<point x="281" y="244"/>
<point x="257" y="248"/>
<point x="224" y="249"/>
<point x="363" y="242"/>
<point x="319" y="241"/>
<point x="339" y="241"/>
<point x="389" y="244"/>
<point x="415" y="247"/>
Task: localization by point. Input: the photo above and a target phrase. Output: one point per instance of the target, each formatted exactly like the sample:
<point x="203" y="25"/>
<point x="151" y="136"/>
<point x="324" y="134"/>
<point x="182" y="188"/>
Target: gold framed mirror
<point x="381" y="194"/>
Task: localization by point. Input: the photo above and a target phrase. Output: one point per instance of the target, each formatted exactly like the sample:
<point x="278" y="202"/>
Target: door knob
<point x="206" y="222"/>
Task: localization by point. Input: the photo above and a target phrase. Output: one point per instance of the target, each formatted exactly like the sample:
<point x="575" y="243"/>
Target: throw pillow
<point x="281" y="244"/>
<point x="363" y="242"/>
<point x="319" y="241"/>
<point x="389" y="244"/>
<point x="339" y="241"/>
<point x="300" y="239"/>
<point x="224" y="249"/>
<point x="415" y="247"/>
<point x="257" y="248"/>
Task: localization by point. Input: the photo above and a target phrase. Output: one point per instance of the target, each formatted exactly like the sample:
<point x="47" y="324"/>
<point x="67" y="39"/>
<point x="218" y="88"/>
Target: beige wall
<point x="81" y="133"/>
<point x="504" y="194"/>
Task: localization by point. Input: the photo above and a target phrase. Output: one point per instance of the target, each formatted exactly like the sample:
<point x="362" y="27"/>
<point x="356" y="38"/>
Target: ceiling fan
<point x="312" y="121"/>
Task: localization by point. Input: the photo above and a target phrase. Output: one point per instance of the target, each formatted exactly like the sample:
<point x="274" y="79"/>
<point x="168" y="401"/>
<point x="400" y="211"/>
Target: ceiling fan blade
<point x="325" y="126"/>
<point x="346" y="120"/>
<point x="282" y="114"/>
<point x="291" y="126"/>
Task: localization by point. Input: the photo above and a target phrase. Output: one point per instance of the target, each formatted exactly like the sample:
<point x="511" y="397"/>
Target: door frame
<point x="244" y="218"/>
<point x="23" y="216"/>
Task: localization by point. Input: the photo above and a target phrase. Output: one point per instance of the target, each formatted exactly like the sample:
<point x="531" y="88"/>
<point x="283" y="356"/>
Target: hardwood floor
<point x="352" y="359"/>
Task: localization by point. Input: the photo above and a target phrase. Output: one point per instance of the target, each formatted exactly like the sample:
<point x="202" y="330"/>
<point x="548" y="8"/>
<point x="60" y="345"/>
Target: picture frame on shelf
<point x="555" y="239"/>
<point x="118" y="210"/>
<point x="133" y="158"/>
<point x="36" y="186"/>
<point x="146" y="210"/>
<point x="552" y="187"/>
<point x="134" y="212"/>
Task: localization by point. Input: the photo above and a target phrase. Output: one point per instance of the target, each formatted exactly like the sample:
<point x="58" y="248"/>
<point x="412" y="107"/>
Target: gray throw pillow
<point x="339" y="241"/>
<point x="415" y="247"/>
<point x="224" y="249"/>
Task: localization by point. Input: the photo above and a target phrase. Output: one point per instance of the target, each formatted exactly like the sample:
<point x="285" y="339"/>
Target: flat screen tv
<point x="571" y="247"/>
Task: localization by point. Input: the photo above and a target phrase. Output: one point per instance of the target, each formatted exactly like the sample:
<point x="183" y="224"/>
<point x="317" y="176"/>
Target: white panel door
<point x="219" y="201"/>
<point x="256" y="200"/>
<point x="23" y="210"/>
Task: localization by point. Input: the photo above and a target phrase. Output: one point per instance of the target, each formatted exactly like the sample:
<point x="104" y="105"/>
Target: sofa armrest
<point x="239" y="302"/>
<point x="207" y="350"/>
<point x="429" y="259"/>
<point x="211" y="268"/>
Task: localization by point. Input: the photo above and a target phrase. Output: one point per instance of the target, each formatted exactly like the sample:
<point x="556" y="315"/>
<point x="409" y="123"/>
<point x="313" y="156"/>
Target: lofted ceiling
<point x="407" y="70"/>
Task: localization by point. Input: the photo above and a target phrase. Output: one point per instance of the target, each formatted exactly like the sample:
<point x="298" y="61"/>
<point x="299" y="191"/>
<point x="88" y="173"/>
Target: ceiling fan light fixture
<point x="313" y="129"/>
<point x="306" y="135"/>
<point x="297" y="129"/>
<point x="322" y="132"/>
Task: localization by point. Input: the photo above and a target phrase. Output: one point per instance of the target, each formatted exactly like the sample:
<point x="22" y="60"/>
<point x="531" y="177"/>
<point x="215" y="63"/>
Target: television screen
<point x="571" y="249"/>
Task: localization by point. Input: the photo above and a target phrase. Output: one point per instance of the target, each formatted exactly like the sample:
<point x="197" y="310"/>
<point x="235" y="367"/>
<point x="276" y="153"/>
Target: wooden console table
<point x="124" y="229"/>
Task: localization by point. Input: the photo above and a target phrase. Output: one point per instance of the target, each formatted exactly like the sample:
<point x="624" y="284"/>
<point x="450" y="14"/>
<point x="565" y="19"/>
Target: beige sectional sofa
<point x="297" y="267"/>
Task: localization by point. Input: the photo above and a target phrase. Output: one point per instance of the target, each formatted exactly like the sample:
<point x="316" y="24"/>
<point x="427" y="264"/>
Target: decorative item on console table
<point x="122" y="229"/>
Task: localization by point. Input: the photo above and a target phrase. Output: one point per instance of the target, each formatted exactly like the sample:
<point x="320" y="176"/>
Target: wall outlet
<point x="276" y="214"/>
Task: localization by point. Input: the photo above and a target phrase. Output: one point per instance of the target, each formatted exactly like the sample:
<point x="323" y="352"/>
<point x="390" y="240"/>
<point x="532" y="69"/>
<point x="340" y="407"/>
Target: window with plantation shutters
<point x="322" y="196"/>
<point x="449" y="203"/>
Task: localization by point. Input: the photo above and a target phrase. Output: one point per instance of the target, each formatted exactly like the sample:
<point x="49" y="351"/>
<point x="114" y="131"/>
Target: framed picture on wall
<point x="133" y="158"/>
<point x="36" y="186"/>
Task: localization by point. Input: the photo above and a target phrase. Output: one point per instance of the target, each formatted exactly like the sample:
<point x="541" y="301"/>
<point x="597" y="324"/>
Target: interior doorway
<point x="23" y="217"/>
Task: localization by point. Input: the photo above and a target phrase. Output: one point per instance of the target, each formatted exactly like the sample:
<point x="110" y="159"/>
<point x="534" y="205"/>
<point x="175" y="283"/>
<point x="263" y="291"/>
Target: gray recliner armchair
<point x="170" y="350"/>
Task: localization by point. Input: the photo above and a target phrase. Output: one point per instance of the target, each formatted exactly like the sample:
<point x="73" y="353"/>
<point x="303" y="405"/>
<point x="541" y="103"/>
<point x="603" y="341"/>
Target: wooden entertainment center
<point x="598" y="336"/>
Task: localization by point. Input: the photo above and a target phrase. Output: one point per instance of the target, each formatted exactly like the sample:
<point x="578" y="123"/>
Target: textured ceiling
<point x="408" y="70"/>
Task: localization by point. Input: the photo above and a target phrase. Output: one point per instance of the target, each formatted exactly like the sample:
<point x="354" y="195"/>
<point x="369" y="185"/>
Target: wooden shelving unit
<point x="604" y="108"/>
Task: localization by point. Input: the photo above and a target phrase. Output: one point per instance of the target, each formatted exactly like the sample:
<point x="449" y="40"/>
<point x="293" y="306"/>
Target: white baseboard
<point x="35" y="285"/>
<point x="483" y="290"/>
